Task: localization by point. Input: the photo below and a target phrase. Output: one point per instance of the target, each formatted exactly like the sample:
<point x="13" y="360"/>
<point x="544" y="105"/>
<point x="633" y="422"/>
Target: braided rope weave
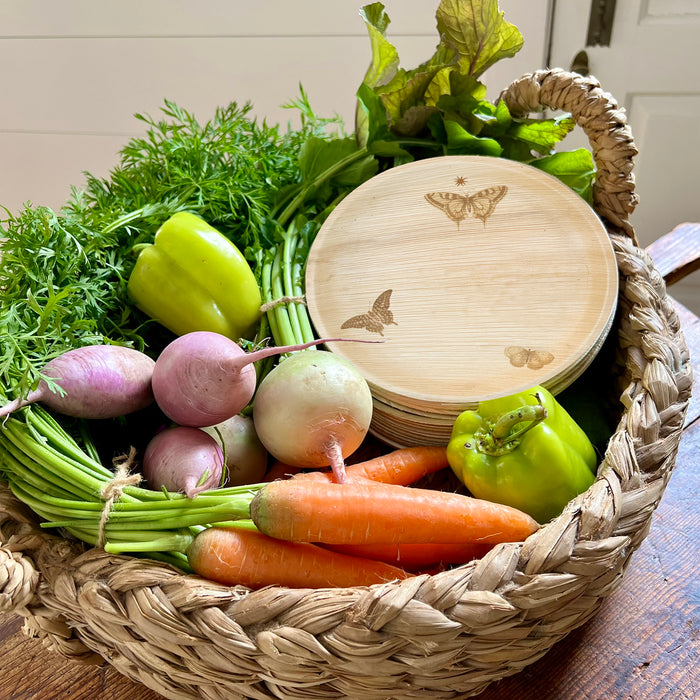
<point x="442" y="636"/>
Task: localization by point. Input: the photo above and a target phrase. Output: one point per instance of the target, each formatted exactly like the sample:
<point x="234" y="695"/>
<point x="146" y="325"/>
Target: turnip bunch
<point x="315" y="408"/>
<point x="312" y="410"/>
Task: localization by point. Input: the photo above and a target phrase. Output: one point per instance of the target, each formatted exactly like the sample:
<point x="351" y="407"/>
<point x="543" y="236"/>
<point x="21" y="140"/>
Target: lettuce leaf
<point x="574" y="168"/>
<point x="478" y="34"/>
<point x="382" y="68"/>
<point x="439" y="107"/>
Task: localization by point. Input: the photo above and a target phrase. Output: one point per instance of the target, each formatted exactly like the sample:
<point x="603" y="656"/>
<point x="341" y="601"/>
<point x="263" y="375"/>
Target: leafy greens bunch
<point x="440" y="107"/>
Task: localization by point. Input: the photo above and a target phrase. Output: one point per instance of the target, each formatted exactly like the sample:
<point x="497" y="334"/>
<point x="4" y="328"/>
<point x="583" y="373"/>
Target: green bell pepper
<point x="524" y="451"/>
<point x="193" y="278"/>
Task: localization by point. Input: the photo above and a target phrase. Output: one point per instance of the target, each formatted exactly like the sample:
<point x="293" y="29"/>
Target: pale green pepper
<point x="192" y="278"/>
<point x="524" y="451"/>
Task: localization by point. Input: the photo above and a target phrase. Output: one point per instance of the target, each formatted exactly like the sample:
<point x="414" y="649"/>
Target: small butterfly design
<point x="458" y="206"/>
<point x="526" y="357"/>
<point x="376" y="318"/>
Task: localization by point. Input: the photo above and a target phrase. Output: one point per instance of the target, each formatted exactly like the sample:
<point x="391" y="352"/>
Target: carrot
<point x="401" y="467"/>
<point x="235" y="556"/>
<point x="301" y="510"/>
<point x="416" y="556"/>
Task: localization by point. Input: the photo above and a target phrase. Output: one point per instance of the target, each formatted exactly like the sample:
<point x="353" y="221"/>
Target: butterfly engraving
<point x="526" y="357"/>
<point x="458" y="206"/>
<point x="376" y="318"/>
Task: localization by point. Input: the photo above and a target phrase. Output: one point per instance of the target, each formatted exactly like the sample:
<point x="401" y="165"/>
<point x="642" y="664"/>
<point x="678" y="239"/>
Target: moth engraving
<point x="458" y="207"/>
<point x="375" y="320"/>
<point x="526" y="357"/>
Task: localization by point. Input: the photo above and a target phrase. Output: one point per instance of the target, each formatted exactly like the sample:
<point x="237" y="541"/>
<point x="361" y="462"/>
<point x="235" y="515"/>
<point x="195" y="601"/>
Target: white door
<point x="651" y="68"/>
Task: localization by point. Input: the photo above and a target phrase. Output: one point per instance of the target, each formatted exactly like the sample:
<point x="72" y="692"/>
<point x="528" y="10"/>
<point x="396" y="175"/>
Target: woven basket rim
<point x="451" y="633"/>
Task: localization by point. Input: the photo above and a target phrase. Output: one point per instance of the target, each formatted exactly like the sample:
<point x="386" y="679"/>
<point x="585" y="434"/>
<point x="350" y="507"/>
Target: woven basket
<point x="442" y="636"/>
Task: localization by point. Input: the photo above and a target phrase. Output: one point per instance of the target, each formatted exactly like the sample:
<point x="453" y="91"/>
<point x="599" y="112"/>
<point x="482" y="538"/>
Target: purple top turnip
<point x="96" y="381"/>
<point x="183" y="459"/>
<point x="204" y="378"/>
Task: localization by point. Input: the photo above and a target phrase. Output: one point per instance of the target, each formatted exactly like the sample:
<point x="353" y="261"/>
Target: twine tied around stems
<point x="113" y="490"/>
<point x="282" y="300"/>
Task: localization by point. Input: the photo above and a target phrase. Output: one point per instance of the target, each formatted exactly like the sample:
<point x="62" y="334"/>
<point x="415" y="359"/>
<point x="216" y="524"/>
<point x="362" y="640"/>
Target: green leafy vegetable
<point x="440" y="106"/>
<point x="574" y="168"/>
<point x="227" y="170"/>
<point x="385" y="61"/>
<point x="478" y="34"/>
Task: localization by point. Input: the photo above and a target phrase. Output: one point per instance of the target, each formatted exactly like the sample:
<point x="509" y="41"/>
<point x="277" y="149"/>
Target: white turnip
<point x="245" y="455"/>
<point x="204" y="378"/>
<point x="183" y="459"/>
<point x="313" y="410"/>
<point x="96" y="381"/>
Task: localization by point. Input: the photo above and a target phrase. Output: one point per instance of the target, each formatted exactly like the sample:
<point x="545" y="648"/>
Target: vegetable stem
<point x="290" y="210"/>
<point x="286" y="331"/>
<point x="500" y="435"/>
<point x="287" y="250"/>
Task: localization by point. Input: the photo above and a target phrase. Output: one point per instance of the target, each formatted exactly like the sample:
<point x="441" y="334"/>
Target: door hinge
<point x="600" y="22"/>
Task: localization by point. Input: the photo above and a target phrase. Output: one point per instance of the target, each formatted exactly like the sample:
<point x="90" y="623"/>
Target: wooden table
<point x="644" y="643"/>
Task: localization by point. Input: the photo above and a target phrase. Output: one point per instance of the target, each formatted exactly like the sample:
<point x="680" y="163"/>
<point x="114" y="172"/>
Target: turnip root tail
<point x="16" y="404"/>
<point x="334" y="453"/>
<point x="238" y="363"/>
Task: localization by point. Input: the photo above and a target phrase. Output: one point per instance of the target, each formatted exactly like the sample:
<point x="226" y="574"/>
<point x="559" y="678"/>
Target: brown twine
<point x="282" y="300"/>
<point x="112" y="491"/>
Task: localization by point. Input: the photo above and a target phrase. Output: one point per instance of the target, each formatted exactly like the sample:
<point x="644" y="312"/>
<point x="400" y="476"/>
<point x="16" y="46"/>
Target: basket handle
<point x="605" y="125"/>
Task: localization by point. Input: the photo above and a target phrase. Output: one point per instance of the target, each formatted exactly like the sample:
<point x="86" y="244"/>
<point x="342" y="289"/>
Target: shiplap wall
<point x="75" y="71"/>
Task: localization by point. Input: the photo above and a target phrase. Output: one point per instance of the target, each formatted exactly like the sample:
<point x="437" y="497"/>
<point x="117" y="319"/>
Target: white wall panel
<point x="106" y="18"/>
<point x="76" y="71"/>
<point x="40" y="168"/>
<point x="655" y="117"/>
<point x="96" y="85"/>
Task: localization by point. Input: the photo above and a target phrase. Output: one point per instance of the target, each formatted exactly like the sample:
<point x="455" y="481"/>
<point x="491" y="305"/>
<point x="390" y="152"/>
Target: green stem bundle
<point x="283" y="288"/>
<point x="64" y="485"/>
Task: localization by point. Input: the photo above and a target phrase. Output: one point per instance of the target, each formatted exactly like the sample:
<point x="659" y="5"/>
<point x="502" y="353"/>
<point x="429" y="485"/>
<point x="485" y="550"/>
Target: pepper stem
<point x="138" y="247"/>
<point x="500" y="438"/>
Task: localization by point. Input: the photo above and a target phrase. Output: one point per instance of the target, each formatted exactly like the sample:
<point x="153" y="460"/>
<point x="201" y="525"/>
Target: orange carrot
<point x="401" y="467"/>
<point x="231" y="556"/>
<point x="304" y="510"/>
<point x="416" y="556"/>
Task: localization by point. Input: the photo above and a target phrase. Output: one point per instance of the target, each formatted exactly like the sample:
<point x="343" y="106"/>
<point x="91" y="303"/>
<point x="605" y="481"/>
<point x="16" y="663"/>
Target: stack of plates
<point x="480" y="276"/>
